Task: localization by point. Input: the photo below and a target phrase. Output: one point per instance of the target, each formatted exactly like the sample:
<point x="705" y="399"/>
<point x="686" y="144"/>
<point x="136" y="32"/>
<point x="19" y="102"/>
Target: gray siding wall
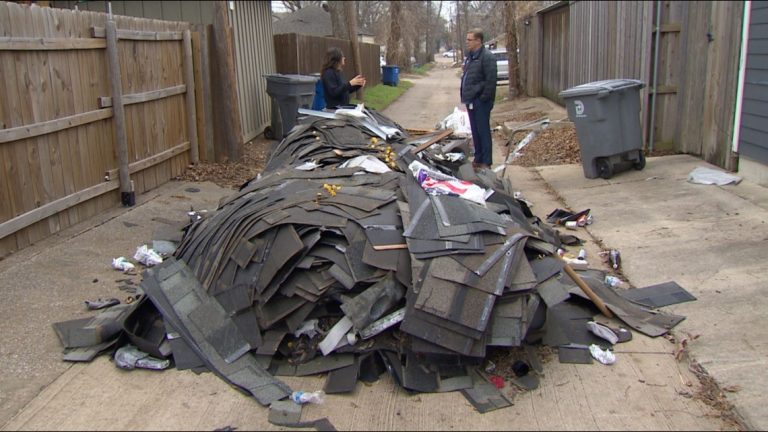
<point x="753" y="135"/>
<point x="254" y="57"/>
<point x="195" y="12"/>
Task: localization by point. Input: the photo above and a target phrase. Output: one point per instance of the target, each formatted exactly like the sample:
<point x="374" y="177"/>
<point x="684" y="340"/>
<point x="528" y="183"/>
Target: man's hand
<point x="358" y="81"/>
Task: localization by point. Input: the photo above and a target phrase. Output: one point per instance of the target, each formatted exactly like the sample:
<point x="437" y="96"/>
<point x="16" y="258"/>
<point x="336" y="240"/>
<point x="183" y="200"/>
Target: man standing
<point x="478" y="92"/>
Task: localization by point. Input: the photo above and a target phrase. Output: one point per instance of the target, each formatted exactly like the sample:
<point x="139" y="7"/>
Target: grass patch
<point x="423" y="69"/>
<point x="381" y="96"/>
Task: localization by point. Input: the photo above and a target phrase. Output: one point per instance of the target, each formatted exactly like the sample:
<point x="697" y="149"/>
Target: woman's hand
<point x="358" y="81"/>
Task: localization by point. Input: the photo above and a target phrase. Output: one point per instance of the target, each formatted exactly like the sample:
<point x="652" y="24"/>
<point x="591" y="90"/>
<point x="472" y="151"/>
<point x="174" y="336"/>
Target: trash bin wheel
<point x="604" y="168"/>
<point x="639" y="164"/>
<point x="269" y="133"/>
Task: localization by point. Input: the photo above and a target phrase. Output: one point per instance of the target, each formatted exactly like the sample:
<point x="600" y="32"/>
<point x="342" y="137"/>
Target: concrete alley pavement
<point x="665" y="228"/>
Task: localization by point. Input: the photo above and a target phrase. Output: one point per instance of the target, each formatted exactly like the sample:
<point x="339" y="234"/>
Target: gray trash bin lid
<point x="290" y="78"/>
<point x="601" y="87"/>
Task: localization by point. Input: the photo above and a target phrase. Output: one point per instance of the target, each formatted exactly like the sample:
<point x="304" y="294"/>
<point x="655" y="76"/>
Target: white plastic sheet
<point x="147" y="256"/>
<point x="605" y="357"/>
<point x="458" y="120"/>
<point x="602" y="331"/>
<point x="369" y="163"/>
<point x="709" y="176"/>
<point x="122" y="264"/>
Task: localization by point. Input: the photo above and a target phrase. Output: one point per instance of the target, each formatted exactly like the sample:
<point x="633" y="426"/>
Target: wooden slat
<point x="42" y="212"/>
<point x="664" y="89"/>
<point x="150" y="161"/>
<point x="669" y="28"/>
<point x="129" y="99"/>
<point x="46" y="127"/>
<point x="433" y="140"/>
<point x="100" y="32"/>
<point x="189" y="79"/>
<point x="35" y="44"/>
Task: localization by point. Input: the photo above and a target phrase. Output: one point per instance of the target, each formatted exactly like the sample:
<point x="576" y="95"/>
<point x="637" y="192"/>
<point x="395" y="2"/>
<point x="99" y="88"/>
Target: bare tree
<point x="394" y="42"/>
<point x="351" y="16"/>
<point x="336" y="9"/>
<point x="514" y="70"/>
<point x="459" y="35"/>
<point x="294" y="5"/>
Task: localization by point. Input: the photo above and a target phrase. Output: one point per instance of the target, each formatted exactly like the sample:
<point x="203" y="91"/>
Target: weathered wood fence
<point x="75" y="129"/>
<point x="302" y="54"/>
<point x="693" y="99"/>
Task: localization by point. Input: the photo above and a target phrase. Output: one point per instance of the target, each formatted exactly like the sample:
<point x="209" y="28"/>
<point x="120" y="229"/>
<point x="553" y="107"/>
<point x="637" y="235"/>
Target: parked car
<point x="502" y="64"/>
<point x="449" y="53"/>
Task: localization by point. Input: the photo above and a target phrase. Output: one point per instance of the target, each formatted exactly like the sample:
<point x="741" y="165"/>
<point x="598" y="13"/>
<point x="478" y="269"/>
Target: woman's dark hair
<point x="332" y="59"/>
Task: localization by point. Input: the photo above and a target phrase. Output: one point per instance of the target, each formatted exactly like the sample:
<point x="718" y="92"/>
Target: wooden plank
<point x="669" y="28"/>
<point x="42" y="212"/>
<point x="142" y="141"/>
<point x="202" y="92"/>
<point x="130" y="99"/>
<point x="150" y="161"/>
<point x="100" y="32"/>
<point x="34" y="44"/>
<point x="435" y="139"/>
<point x="9" y="178"/>
<point x="664" y="89"/>
<point x="50" y="126"/>
<point x="126" y="190"/>
<point x="189" y="78"/>
<point x="226" y="85"/>
<point x="25" y="67"/>
<point x="51" y="166"/>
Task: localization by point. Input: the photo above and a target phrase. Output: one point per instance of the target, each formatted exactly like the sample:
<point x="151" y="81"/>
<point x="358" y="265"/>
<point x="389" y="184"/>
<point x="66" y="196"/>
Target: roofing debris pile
<point x="362" y="250"/>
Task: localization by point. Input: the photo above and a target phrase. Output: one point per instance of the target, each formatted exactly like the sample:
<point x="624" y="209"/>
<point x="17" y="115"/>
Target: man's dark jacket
<point x="479" y="79"/>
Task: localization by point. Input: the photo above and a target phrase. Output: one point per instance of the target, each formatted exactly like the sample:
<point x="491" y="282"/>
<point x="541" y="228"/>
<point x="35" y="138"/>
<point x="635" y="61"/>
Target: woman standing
<point x="336" y="88"/>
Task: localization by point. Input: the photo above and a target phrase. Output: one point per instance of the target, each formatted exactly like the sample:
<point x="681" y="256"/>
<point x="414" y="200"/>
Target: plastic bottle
<point x="615" y="258"/>
<point x="613" y="281"/>
<point x="301" y="397"/>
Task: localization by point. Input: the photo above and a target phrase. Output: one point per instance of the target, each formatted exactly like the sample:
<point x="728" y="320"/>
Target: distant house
<point x="312" y="20"/>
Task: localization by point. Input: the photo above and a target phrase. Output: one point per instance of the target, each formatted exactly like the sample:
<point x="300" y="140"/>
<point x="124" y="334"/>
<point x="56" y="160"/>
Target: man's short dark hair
<point x="477" y="33"/>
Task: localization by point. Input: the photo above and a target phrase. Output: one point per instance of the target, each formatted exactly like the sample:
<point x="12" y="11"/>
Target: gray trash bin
<point x="607" y="119"/>
<point x="289" y="93"/>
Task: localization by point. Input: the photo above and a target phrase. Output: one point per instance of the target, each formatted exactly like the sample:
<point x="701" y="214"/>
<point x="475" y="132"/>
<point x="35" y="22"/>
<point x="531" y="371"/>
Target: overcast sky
<point x="277" y="6"/>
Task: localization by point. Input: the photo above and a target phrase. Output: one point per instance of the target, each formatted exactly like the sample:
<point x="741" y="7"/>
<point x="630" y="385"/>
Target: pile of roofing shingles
<point x="342" y="270"/>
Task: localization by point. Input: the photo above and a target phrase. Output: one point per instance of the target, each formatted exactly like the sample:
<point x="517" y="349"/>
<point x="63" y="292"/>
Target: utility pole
<point x="351" y="12"/>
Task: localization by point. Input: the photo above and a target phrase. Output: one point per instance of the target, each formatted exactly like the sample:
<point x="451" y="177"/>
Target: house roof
<point x="310" y="20"/>
<point x="552" y="6"/>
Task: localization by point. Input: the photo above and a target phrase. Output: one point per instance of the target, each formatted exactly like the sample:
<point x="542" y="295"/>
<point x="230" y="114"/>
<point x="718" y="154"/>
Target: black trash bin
<point x="607" y="119"/>
<point x="289" y="92"/>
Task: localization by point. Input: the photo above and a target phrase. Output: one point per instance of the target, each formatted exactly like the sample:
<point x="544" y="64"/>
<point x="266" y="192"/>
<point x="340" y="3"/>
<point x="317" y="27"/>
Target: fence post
<point x="189" y="77"/>
<point x="127" y="194"/>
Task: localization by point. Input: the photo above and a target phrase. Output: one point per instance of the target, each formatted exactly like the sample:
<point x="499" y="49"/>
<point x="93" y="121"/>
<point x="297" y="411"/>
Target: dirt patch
<point x="552" y="146"/>
<point x="232" y="175"/>
<point x="520" y="117"/>
<point x="714" y="396"/>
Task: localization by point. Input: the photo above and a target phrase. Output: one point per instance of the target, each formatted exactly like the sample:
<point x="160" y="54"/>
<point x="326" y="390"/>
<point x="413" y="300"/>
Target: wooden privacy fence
<point x="302" y="54"/>
<point x="88" y="107"/>
<point x="690" y="107"/>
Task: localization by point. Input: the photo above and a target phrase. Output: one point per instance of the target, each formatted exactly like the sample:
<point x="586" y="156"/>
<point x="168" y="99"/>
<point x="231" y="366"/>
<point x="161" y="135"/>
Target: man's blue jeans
<point x="480" y="122"/>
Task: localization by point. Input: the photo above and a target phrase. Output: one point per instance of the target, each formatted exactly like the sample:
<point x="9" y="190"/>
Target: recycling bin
<point x="289" y="92"/>
<point x="607" y="119"/>
<point x="390" y="75"/>
<point x="318" y="103"/>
